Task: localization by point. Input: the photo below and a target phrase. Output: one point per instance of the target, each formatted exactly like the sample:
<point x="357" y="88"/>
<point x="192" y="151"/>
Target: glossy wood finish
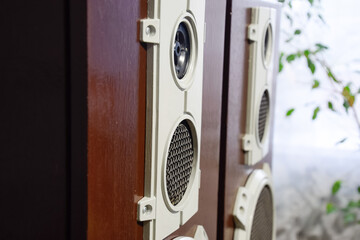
<point x="116" y="112"/>
<point x="211" y="117"/>
<point x="233" y="172"/>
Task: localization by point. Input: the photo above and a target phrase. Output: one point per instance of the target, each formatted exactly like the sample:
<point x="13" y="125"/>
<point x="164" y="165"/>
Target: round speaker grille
<point x="262" y="226"/>
<point x="179" y="163"/>
<point x="263" y="114"/>
<point x="181" y="50"/>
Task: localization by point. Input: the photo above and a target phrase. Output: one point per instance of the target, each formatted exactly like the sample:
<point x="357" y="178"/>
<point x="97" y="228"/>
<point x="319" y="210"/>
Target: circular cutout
<point x="179" y="164"/>
<point x="182" y="50"/>
<point x="263" y="114"/>
<point x="262" y="225"/>
<point x="267" y="45"/>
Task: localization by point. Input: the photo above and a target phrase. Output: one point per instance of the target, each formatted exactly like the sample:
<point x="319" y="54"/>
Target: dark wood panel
<point x="211" y="117"/>
<point x="34" y="120"/>
<point x="233" y="172"/>
<point x="116" y="110"/>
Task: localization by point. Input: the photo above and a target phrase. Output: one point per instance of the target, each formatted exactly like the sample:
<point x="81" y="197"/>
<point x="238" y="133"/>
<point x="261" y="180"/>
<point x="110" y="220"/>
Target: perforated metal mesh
<point x="262" y="226"/>
<point x="179" y="163"/>
<point x="263" y="114"/>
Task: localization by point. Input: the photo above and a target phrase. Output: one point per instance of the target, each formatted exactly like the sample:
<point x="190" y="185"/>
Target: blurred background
<point x="316" y="156"/>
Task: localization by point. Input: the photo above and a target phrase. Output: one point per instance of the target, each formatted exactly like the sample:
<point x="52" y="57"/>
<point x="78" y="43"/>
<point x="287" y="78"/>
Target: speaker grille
<point x="263" y="114"/>
<point x="262" y="226"/>
<point x="179" y="163"/>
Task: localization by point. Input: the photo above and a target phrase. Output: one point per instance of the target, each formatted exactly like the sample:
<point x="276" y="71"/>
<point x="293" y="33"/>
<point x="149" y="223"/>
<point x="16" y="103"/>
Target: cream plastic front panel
<point x="174" y="37"/>
<point x="246" y="202"/>
<point x="255" y="142"/>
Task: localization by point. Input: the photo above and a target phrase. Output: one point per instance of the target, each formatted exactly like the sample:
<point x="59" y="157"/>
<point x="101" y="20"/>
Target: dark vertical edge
<point x="76" y="54"/>
<point x="223" y="127"/>
<point x="67" y="73"/>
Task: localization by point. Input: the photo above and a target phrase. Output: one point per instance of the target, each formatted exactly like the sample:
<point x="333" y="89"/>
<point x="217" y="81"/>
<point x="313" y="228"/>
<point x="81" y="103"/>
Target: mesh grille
<point x="262" y="225"/>
<point x="179" y="163"/>
<point x="263" y="114"/>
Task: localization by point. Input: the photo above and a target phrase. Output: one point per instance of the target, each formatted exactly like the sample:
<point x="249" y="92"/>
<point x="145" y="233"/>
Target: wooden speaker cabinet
<point x="250" y="66"/>
<point x="75" y="104"/>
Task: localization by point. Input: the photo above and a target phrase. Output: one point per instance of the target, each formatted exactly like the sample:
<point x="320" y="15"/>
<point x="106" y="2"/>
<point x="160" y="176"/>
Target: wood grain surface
<point x="116" y="124"/>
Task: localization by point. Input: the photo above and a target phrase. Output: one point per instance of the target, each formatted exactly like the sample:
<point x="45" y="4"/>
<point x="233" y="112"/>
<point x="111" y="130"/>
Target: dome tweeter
<point x="255" y="140"/>
<point x="173" y="117"/>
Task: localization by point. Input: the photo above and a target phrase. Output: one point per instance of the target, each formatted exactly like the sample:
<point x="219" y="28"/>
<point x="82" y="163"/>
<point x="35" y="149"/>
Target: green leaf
<point x="316" y="111"/>
<point x="350" y="217"/>
<point x="321" y="18"/>
<point x="290" y="58"/>
<point x="321" y="46"/>
<point x="336" y="187"/>
<point x="358" y="190"/>
<point x="290" y="19"/>
<point x="281" y="65"/>
<point x="331" y="75"/>
<point x="281" y="1"/>
<point x="290" y="111"/>
<point x="311" y="2"/>
<point x="352" y="204"/>
<point x="289" y="40"/>
<point x="358" y="91"/>
<point x="297" y="32"/>
<point x="330" y="106"/>
<point x="346" y="105"/>
<point x="330" y="208"/>
<point x="349" y="97"/>
<point x="311" y="65"/>
<point x="306" y="53"/>
<point x="316" y="84"/>
<point x="290" y="4"/>
<point x="341" y="141"/>
<point x="308" y="15"/>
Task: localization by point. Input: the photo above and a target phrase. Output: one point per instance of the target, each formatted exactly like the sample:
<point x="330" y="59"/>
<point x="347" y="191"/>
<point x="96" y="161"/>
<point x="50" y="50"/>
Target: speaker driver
<point x="179" y="163"/>
<point x="263" y="114"/>
<point x="254" y="207"/>
<point x="182" y="48"/>
<point x="262" y="225"/>
<point x="268" y="45"/>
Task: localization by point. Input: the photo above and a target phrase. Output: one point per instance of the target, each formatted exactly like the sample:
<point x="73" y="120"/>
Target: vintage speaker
<point x="260" y="34"/>
<point x="254" y="207"/>
<point x="174" y="34"/>
<point x="246" y="208"/>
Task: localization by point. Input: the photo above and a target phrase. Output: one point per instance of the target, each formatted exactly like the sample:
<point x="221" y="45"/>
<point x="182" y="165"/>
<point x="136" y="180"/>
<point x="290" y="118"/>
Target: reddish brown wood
<point x="116" y="112"/>
<point x="233" y="172"/>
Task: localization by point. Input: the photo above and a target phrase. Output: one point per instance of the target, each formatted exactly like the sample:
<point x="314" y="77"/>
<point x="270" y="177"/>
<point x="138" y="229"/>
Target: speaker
<point x="255" y="141"/>
<point x="174" y="37"/>
<point x="254" y="207"/>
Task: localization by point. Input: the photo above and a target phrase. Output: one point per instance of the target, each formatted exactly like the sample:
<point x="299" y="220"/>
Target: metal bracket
<point x="146" y="209"/>
<point x="150" y="30"/>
